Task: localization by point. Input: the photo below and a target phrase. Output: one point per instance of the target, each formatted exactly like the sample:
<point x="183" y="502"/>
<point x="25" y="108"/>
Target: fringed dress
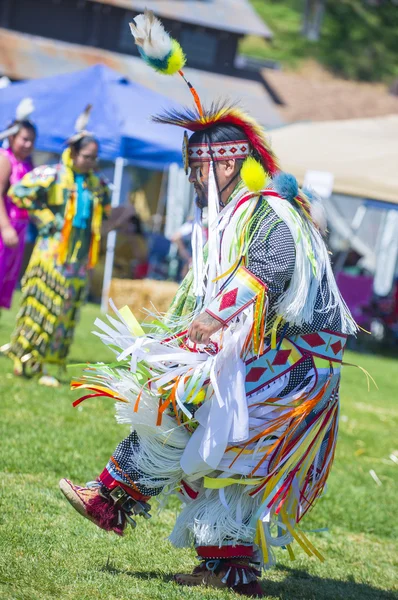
<point x="244" y="430"/>
<point x="67" y="208"/>
<point x="11" y="258"/>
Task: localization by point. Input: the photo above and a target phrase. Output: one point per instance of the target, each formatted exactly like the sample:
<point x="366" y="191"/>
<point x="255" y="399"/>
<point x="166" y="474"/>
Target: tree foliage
<point x="359" y="38"/>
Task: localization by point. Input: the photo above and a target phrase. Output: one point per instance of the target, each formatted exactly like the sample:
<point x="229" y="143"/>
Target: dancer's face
<point x="84" y="160"/>
<point x="199" y="177"/>
<point x="22" y="143"/>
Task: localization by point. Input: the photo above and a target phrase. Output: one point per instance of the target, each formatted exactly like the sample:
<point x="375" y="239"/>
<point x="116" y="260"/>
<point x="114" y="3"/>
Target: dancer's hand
<point x="203" y="328"/>
<point x="10" y="236"/>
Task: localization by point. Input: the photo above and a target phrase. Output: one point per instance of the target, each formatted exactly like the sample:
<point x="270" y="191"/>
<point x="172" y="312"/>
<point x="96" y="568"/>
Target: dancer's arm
<point x="270" y="266"/>
<point x="202" y="328"/>
<point x="106" y="198"/>
<point x="8" y="233"/>
<point x="241" y="290"/>
<point x="31" y="192"/>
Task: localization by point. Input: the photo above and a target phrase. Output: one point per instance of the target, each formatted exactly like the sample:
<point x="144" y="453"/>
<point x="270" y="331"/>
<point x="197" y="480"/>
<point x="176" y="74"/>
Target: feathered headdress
<point x="156" y="47"/>
<point x="166" y="56"/>
<point x="80" y="125"/>
<point x="225" y="114"/>
<point x="22" y="113"/>
<point x="159" y="50"/>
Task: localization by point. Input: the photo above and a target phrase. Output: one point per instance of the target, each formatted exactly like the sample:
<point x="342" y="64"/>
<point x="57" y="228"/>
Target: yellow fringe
<point x="368" y="375"/>
<point x="274" y="331"/>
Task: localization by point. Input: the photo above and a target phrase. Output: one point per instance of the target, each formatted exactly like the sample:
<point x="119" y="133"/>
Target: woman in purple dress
<point x="15" y="162"/>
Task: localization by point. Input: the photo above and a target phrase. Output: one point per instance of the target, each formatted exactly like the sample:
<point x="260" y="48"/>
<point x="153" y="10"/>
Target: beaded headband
<point x="218" y="151"/>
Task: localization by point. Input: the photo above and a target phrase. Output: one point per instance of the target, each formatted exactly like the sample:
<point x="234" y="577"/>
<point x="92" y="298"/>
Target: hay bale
<point x="139" y="294"/>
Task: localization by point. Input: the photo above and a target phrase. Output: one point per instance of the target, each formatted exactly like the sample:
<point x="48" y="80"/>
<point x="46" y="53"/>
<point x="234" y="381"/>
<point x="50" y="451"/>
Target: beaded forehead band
<point x="218" y="151"/>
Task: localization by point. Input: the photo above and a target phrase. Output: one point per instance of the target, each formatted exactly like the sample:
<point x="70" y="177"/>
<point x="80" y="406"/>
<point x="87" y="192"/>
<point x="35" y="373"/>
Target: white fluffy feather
<point x="83" y="118"/>
<point x="24" y="109"/>
<point x="4" y="82"/>
<point x="209" y="521"/>
<point x="318" y="215"/>
<point x="297" y="304"/>
<point x="6" y="133"/>
<point x="150" y="34"/>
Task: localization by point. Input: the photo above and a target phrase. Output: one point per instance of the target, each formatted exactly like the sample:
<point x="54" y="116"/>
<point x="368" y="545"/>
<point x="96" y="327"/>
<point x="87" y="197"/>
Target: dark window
<point x="66" y="20"/>
<point x="126" y="41"/>
<point x="200" y="46"/>
<point x="107" y="26"/>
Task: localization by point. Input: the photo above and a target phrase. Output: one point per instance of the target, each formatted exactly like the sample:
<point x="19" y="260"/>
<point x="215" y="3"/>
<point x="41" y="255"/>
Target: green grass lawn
<point x="49" y="551"/>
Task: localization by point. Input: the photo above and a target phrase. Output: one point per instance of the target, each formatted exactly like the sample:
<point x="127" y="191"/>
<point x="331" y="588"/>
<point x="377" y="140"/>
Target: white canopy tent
<point x="361" y="155"/>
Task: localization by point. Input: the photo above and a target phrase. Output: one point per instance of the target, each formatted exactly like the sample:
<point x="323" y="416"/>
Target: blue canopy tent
<point x="120" y="119"/>
<point x="120" y="115"/>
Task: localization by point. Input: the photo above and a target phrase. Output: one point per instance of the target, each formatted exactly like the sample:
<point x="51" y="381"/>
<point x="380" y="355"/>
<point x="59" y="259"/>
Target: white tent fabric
<point x="361" y="154"/>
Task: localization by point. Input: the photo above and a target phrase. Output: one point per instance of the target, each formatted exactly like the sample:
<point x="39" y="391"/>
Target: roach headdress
<point x="166" y="56"/>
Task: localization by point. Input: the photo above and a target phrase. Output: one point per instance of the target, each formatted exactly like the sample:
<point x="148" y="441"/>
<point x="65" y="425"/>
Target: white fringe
<point x="197" y="254"/>
<point x="212" y="265"/>
<point x="159" y="460"/>
<point x="144" y="420"/>
<point x="297" y="304"/>
<point x="212" y="521"/>
<point x="24" y="109"/>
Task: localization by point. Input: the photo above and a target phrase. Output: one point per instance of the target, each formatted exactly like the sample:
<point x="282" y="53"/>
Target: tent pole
<point x="355" y="225"/>
<point x="111" y="239"/>
<point x="386" y="254"/>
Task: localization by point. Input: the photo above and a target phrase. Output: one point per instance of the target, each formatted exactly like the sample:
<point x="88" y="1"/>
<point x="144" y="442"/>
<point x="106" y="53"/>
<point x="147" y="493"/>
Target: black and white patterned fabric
<point x="271" y="258"/>
<point x="126" y="457"/>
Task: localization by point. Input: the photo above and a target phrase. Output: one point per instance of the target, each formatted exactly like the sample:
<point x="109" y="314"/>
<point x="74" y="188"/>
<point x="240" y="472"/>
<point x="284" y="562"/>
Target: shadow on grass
<point x="297" y="585"/>
<point x="110" y="568"/>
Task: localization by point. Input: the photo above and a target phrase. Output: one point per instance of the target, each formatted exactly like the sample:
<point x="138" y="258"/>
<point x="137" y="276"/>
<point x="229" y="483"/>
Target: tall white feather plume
<point x="4" y="82"/>
<point x="24" y="109"/>
<point x="197" y="254"/>
<point x="7" y="132"/>
<point x="317" y="209"/>
<point x="83" y="118"/>
<point x="318" y="215"/>
<point x="151" y="36"/>
<point x="213" y="269"/>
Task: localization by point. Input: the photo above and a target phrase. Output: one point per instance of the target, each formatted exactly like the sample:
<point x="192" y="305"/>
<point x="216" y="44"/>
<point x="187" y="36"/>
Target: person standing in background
<point x="15" y="163"/>
<point x="68" y="201"/>
<point x="182" y="238"/>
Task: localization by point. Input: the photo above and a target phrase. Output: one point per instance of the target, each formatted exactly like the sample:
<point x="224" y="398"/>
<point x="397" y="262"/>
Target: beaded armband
<point x="240" y="291"/>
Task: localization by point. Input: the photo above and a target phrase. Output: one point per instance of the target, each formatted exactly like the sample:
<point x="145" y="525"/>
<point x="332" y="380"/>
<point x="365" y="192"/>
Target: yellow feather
<point x="177" y="59"/>
<point x="253" y="175"/>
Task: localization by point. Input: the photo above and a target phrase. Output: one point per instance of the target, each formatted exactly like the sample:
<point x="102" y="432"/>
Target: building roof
<point x="237" y="16"/>
<point x="318" y="96"/>
<point x="25" y="57"/>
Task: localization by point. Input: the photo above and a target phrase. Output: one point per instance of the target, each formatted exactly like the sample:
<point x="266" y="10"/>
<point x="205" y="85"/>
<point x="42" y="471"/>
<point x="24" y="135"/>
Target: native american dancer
<point x="233" y="396"/>
<point x="67" y="202"/>
<point x="15" y="162"/>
